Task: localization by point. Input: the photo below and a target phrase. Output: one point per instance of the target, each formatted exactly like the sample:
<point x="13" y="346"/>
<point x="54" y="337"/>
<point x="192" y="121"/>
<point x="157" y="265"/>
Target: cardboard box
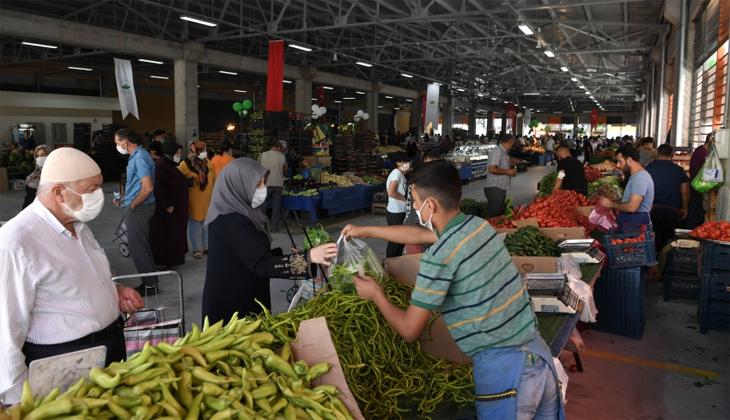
<point x="4" y="186"/>
<point x="17" y="184"/>
<point x="318" y="160"/>
<point x="554" y="233"/>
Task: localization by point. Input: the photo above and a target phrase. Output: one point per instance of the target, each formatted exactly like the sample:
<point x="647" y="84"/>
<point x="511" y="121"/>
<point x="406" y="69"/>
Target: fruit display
<point x="307" y="184"/>
<point x="389" y="149"/>
<point x="592" y="174"/>
<point x="558" y="210"/>
<point x="628" y="241"/>
<point x="718" y="231"/>
<point x="305" y="193"/>
<point x="17" y="161"/>
<point x="340" y="181"/>
<point x="603" y="185"/>
<point x="604" y="166"/>
<point x="538" y="150"/>
<point x="500" y="222"/>
<point x="529" y="242"/>
<point x="547" y="183"/>
<point x="372" y="180"/>
<point x="355" y="179"/>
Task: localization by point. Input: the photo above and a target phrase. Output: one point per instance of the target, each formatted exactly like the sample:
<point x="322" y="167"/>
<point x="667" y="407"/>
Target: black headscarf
<point x="168" y="152"/>
<point x="233" y="193"/>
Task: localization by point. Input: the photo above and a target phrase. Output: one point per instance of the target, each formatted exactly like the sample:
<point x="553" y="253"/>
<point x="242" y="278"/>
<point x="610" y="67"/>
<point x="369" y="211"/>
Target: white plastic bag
<point x="562" y="377"/>
<point x="712" y="170"/>
<point x="353" y="255"/>
<point x="569" y="265"/>
<point x="585" y="293"/>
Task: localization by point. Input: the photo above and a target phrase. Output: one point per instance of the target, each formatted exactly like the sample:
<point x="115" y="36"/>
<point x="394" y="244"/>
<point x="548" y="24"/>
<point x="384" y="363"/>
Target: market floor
<point x="674" y="372"/>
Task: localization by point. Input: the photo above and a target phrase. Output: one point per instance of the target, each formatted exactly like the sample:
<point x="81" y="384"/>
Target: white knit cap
<point x="67" y="164"/>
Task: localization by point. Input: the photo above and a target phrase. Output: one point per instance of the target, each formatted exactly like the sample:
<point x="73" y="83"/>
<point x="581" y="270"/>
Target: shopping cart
<point x="121" y="233"/>
<point x="155" y="322"/>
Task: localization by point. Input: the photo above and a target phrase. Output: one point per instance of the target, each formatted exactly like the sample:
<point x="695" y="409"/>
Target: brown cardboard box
<point x="554" y="233"/>
<point x="4" y="185"/>
<point x="318" y="160"/>
<point x="532" y="221"/>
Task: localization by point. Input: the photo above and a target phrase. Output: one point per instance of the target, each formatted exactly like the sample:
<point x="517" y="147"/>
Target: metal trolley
<point x="121" y="233"/>
<point x="155" y="322"/>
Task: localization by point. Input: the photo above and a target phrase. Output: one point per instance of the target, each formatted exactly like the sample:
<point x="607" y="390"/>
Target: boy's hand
<point x="367" y="287"/>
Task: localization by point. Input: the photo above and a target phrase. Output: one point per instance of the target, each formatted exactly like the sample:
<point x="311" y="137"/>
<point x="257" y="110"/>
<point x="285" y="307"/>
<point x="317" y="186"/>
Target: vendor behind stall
<point x="571" y="175"/>
<point x="638" y="196"/>
<point x="468" y="275"/>
<point x="499" y="176"/>
<point x="671" y="199"/>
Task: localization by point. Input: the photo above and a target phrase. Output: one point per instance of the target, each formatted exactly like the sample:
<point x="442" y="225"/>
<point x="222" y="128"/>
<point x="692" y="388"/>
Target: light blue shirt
<point x="641" y="183"/>
<point x="140" y="165"/>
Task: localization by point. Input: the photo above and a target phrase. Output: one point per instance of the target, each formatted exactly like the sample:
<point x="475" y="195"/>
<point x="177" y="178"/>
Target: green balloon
<point x="237" y="106"/>
<point x="247" y="104"/>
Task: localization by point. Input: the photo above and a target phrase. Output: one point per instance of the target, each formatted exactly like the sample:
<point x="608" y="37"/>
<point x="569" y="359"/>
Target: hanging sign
<point x="125" y="88"/>
<point x="275" y="77"/>
<point x="431" y="107"/>
<point x="511" y="118"/>
<point x="594" y="119"/>
<point x="320" y="96"/>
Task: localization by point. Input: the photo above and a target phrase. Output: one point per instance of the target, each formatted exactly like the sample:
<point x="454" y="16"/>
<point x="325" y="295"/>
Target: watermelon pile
<point x="17" y="161"/>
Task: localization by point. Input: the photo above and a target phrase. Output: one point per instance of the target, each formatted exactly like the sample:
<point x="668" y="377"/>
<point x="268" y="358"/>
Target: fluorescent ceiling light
<point x="549" y="53"/>
<point x="299" y="47"/>
<point x="286" y="81"/>
<point x="565" y="69"/>
<point x="338" y="102"/>
<point x="380" y="106"/>
<point x="409" y="100"/>
<point x="588" y="93"/>
<point x="228" y="72"/>
<point x="531" y="93"/>
<point x="34" y="44"/>
<point x="159" y="77"/>
<point x="360" y="93"/>
<point x="80" y="68"/>
<point x="558" y="112"/>
<point x="349" y="99"/>
<point x="480" y="94"/>
<point x="439" y="84"/>
<point x="396" y="108"/>
<point x="144" y="60"/>
<point x="407" y="75"/>
<point x="506" y="102"/>
<point x="388" y="97"/>
<point x="460" y="90"/>
<point x="574" y="79"/>
<point x="328" y="87"/>
<point x="582" y="87"/>
<point x="364" y="64"/>
<point x="314" y="99"/>
<point x="494" y="99"/>
<point x="198" y="21"/>
<point x="525" y="29"/>
<point x="239" y="90"/>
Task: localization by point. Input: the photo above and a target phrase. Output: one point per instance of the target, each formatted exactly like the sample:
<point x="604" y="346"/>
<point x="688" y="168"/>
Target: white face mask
<point x="176" y="159"/>
<point x="428" y="225"/>
<point x="259" y="196"/>
<point x="203" y="155"/>
<point x="92" y="205"/>
<point x="40" y="161"/>
<point x="405" y="167"/>
<point x="122" y="151"/>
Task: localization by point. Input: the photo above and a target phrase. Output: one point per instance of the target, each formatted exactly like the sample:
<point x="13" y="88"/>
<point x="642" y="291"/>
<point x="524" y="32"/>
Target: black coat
<point x="168" y="231"/>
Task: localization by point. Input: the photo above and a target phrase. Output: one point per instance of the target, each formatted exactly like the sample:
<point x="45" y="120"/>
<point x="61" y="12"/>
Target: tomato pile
<point x="639" y="239"/>
<point x="593" y="174"/>
<point x="500" y="222"/>
<point x="719" y="231"/>
<point x="558" y="210"/>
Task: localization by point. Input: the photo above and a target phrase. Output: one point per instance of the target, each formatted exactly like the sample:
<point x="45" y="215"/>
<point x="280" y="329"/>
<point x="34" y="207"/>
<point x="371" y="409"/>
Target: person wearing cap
<point x="201" y="176"/>
<point x="55" y="278"/>
<point x="275" y="162"/>
<point x="139" y="203"/>
<point x="31" y="181"/>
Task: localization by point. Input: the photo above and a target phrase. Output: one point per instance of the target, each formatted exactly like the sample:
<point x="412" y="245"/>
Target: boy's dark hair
<point x="226" y="145"/>
<point x="156" y="146"/>
<point x="628" y="152"/>
<point x="127" y="135"/>
<point x="431" y="155"/>
<point x="440" y="180"/>
<point x="665" y="150"/>
<point x="647" y="140"/>
<point x="157" y="133"/>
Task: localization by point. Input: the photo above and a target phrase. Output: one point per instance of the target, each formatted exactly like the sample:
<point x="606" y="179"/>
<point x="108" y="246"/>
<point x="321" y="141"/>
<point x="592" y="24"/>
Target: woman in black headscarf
<point x="169" y="223"/>
<point x="240" y="262"/>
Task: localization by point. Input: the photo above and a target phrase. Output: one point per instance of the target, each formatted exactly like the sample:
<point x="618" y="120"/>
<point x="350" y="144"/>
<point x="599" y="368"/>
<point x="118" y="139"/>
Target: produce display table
<point x="465" y="173"/>
<point x="479" y="169"/>
<point x="340" y="200"/>
<point x="302" y="203"/>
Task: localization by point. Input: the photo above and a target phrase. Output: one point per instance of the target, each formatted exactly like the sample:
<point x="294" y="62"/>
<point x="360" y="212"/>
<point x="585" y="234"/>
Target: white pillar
<point x="186" y="102"/>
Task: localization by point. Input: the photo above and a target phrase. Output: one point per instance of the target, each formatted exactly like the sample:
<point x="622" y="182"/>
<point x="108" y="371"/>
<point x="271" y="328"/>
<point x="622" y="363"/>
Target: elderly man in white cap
<point x="55" y="279"/>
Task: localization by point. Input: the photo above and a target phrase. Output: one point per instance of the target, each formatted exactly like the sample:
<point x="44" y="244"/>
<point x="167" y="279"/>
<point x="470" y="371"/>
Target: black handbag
<point x="191" y="182"/>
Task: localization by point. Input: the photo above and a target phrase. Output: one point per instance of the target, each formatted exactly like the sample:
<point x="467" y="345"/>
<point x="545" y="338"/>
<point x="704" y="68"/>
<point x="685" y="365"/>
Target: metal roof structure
<point x="548" y="55"/>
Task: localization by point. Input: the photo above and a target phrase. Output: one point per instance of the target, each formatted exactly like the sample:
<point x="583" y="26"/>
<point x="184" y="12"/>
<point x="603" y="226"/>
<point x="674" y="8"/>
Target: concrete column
<point x="490" y="121"/>
<point x="371" y="106"/>
<point x="186" y="102"/>
<point x="680" y="77"/>
<point x="417" y="114"/>
<point x="448" y="117"/>
<point x="504" y="122"/>
<point x="659" y="125"/>
<point x="473" y="120"/>
<point x="575" y="125"/>
<point x="303" y="91"/>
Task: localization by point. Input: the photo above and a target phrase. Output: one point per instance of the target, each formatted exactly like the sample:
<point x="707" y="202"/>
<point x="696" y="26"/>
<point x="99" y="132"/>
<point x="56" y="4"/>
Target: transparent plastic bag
<point x="351" y="256"/>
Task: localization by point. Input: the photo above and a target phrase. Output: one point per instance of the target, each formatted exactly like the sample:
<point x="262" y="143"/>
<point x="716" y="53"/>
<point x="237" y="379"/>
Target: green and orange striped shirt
<point x="469" y="276"/>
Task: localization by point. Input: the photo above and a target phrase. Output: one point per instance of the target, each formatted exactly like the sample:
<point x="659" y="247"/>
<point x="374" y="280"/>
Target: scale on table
<point x="584" y="251"/>
<point x="551" y="293"/>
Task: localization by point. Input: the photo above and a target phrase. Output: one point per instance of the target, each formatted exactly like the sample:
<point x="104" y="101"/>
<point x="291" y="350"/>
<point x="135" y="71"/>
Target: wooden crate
<point x="378" y="208"/>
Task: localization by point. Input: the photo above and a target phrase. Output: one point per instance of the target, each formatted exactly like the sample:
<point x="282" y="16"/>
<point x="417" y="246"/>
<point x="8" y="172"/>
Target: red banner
<point x="594" y="119"/>
<point x="423" y="112"/>
<point x="275" y="78"/>
<point x="511" y="118"/>
<point x="320" y="96"/>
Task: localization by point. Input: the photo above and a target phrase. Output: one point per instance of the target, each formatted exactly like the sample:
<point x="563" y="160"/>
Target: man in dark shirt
<point x="671" y="195"/>
<point x="571" y="175"/>
<point x="445" y="145"/>
<point x="27" y="142"/>
<point x="696" y="213"/>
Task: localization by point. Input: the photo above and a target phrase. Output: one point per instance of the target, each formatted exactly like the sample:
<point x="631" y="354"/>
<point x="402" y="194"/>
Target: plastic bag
<point x="353" y="255"/>
<point x="318" y="236"/>
<point x="569" y="265"/>
<point x="602" y="218"/>
<point x="710" y="176"/>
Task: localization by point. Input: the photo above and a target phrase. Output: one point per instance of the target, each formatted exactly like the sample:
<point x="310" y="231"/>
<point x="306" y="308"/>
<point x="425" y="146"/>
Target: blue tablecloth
<point x="340" y="200"/>
<point x="465" y="173"/>
<point x="300" y="202"/>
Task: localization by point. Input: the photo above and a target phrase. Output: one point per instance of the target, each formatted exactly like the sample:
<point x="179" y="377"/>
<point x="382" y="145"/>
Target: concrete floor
<point x="674" y="372"/>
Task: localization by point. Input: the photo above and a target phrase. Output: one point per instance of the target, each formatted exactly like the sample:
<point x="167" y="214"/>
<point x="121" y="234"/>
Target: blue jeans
<point x="549" y="157"/>
<point x="194" y="230"/>
<point x="537" y="395"/>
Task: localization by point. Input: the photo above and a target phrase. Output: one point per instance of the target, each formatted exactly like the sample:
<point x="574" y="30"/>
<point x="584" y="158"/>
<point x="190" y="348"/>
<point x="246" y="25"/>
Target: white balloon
<point x="315" y="116"/>
<point x="245" y="112"/>
<point x="322" y="110"/>
<point x="314" y="108"/>
<point x="365" y="116"/>
<point x="359" y="112"/>
<point x="357" y="117"/>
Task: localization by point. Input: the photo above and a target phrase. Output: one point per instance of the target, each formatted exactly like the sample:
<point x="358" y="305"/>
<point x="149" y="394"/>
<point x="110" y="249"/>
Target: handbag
<point x="191" y="182"/>
<point x="711" y="175"/>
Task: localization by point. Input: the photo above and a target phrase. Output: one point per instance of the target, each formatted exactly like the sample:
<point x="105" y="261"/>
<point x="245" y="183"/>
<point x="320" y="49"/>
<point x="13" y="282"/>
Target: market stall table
<point x="301" y="203"/>
<point x="465" y="172"/>
<point x="340" y="200"/>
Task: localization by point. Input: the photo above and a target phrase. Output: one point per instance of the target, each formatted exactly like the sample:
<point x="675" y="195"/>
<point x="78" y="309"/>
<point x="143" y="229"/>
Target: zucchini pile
<point x="528" y="241"/>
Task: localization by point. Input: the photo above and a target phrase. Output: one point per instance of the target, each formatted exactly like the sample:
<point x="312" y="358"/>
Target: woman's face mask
<point x="259" y="196"/>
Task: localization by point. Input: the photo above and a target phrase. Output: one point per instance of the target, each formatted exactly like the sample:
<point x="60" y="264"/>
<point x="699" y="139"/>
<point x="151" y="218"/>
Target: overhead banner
<point x="431" y="108"/>
<point x="527" y="121"/>
<point x="594" y="119"/>
<point x="511" y="118"/>
<point x="125" y="88"/>
<point x="320" y="96"/>
<point x="275" y="77"/>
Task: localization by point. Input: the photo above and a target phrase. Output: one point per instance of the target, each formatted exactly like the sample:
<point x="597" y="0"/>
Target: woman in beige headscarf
<point x="31" y="181"/>
<point x="198" y="169"/>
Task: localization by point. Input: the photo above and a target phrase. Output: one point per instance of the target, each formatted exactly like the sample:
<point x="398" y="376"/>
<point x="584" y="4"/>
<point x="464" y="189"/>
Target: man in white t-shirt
<point x="395" y="213"/>
<point x="549" y="152"/>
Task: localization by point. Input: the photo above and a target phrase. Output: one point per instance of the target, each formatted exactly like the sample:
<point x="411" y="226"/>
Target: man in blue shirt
<point x="671" y="195"/>
<point x="634" y="208"/>
<point x="139" y="201"/>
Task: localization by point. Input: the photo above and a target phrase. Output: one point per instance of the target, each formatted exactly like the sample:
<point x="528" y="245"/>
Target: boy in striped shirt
<point x="468" y="275"/>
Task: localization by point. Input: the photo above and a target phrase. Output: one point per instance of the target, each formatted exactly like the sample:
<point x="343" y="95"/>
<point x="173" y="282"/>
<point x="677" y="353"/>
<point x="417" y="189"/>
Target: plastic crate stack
<point x="267" y="126"/>
<point x="82" y="137"/>
<point x="681" y="277"/>
<point x="299" y="140"/>
<point x="713" y="310"/>
<point x="619" y="293"/>
<point x="353" y="153"/>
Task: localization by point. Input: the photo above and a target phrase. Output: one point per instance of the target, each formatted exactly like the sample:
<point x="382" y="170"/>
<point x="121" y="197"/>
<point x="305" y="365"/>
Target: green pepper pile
<point x="388" y="376"/>
<point x="528" y="241"/>
<point x="547" y="183"/>
<point x="221" y="372"/>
